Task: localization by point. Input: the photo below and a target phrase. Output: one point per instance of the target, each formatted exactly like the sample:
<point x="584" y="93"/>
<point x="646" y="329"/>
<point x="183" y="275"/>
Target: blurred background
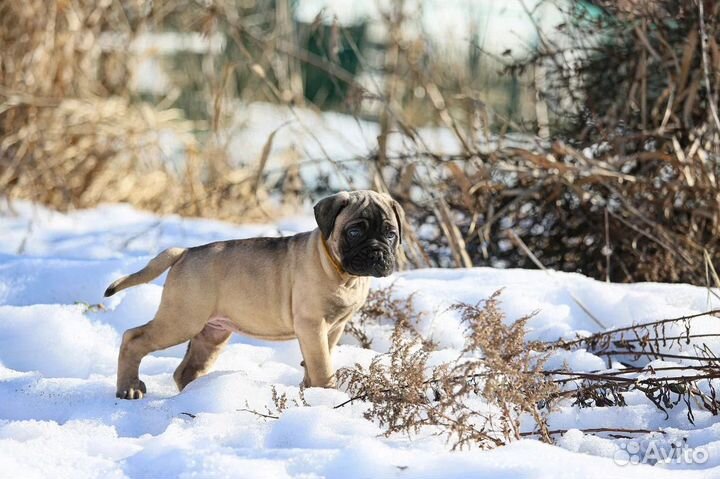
<point x="573" y="135"/>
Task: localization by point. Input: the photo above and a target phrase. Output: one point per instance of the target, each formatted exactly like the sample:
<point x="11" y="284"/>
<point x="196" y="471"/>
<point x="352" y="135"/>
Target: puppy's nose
<point x="376" y="255"/>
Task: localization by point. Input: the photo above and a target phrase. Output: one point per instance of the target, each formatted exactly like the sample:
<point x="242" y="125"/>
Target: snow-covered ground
<point x="59" y="416"/>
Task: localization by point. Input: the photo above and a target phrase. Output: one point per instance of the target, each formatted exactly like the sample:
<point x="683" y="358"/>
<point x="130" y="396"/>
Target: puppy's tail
<point x="154" y="268"/>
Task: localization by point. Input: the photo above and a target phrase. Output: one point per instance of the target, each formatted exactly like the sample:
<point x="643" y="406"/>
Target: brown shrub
<point x="622" y="183"/>
<point x="476" y="400"/>
<point x="73" y="135"/>
<point x="384" y="307"/>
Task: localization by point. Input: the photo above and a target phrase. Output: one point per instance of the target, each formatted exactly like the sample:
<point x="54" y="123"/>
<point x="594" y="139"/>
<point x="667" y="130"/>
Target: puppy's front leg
<point x="337" y="330"/>
<point x="313" y="337"/>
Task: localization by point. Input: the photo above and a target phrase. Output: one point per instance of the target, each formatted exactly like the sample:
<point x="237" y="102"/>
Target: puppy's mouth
<point x="375" y="262"/>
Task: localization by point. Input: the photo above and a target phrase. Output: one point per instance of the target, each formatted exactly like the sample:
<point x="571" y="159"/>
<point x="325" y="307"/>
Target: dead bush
<point x="479" y="398"/>
<point x="620" y="183"/>
<point x="73" y="135"/>
<point x="475" y="401"/>
<point x="383" y="306"/>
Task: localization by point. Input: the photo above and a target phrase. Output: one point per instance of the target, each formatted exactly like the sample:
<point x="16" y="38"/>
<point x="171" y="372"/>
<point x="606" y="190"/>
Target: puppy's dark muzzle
<point x="374" y="261"/>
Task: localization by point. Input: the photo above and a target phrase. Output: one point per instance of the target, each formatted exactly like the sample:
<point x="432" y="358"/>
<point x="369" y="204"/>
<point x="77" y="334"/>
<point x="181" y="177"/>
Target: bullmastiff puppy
<point x="305" y="286"/>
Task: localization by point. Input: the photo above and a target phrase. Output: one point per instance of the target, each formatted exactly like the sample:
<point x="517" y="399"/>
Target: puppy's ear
<point x="327" y="209"/>
<point x="399" y="217"/>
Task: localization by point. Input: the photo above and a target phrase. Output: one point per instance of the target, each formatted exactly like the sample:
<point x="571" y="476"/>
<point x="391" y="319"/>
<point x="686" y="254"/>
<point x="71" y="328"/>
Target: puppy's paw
<point x="134" y="390"/>
<point x="329" y="384"/>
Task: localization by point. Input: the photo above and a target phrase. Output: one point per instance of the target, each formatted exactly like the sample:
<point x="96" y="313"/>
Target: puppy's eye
<point x="390" y="235"/>
<point x="354" y="233"/>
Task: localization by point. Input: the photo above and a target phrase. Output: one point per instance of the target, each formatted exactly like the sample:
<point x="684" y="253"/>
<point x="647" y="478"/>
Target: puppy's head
<point x="363" y="229"/>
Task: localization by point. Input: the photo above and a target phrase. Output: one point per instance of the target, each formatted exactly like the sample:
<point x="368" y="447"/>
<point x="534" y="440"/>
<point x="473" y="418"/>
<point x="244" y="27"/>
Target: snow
<point x="59" y="416"/>
<point x="450" y="25"/>
<point x="336" y="145"/>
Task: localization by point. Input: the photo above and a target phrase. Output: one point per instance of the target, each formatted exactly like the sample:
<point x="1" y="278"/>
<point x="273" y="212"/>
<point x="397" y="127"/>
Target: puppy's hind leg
<point x="202" y="352"/>
<point x="162" y="332"/>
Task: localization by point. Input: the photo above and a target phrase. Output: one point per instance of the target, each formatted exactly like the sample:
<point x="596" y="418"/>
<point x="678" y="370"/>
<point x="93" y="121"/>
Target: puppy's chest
<point x="344" y="301"/>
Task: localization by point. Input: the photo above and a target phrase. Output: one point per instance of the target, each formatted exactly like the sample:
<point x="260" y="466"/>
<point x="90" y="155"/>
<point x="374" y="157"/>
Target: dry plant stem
<point x="499" y="369"/>
<point x="673" y="338"/>
<point x="629" y="370"/>
<point x="596" y="336"/>
<point x="457" y="243"/>
<point x="608" y="376"/>
<point x="383" y="308"/>
<point x="496" y="367"/>
<point x="655" y="355"/>
<point x="596" y="430"/>
<point x="712" y="98"/>
<point x="406" y="395"/>
<point x="636" y="382"/>
<point x="259" y="414"/>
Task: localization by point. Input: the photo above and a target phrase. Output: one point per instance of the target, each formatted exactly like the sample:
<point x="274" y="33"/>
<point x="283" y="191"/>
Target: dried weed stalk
<point x="384" y="307"/>
<point x="479" y="398"/>
<point x="689" y="386"/>
<point x="475" y="400"/>
<point x="694" y="381"/>
<point x="649" y="340"/>
<point x="281" y="403"/>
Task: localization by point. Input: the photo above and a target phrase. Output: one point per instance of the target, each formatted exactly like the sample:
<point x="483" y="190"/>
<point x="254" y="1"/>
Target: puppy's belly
<point x="226" y="324"/>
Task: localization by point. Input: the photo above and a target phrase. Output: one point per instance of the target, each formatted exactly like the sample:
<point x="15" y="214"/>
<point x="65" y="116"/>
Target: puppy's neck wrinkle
<point x="338" y="267"/>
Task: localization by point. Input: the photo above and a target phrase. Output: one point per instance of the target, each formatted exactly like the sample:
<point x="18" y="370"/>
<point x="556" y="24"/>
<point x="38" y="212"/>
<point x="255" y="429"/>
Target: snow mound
<point x="59" y="339"/>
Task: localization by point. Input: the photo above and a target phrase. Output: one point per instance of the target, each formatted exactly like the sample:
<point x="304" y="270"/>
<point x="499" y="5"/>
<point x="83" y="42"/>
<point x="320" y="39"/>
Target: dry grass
<point x="72" y="134"/>
<point x="474" y="401"/>
<point x="624" y="188"/>
<point x="383" y="307"/>
<point x="477" y="400"/>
